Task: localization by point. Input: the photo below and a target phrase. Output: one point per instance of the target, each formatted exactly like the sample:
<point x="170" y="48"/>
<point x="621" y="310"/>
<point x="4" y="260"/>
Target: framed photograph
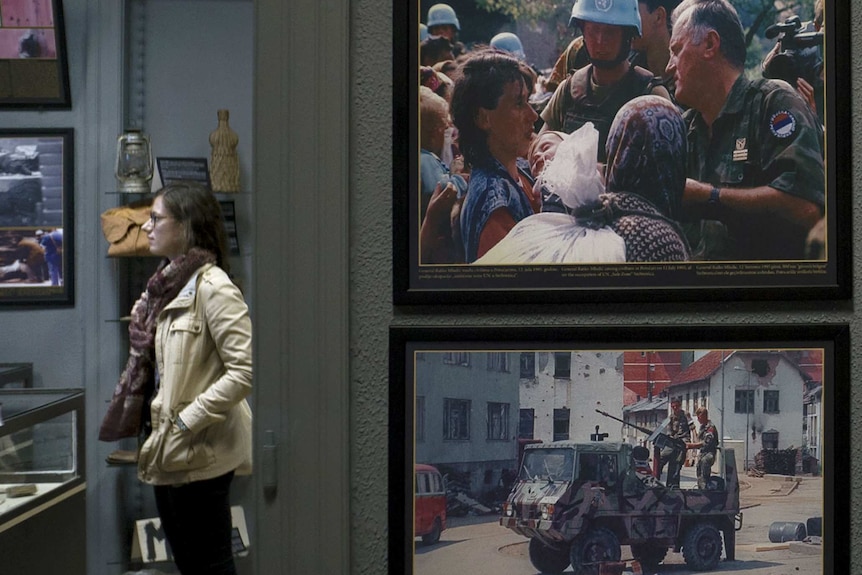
<point x="188" y="169"/>
<point x="36" y="217"/>
<point x="34" y="70"/>
<point x="517" y="241"/>
<point x="600" y="449"/>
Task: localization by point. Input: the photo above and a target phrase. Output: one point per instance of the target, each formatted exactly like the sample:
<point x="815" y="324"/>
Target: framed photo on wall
<point x="36" y="217"/>
<point x="34" y="68"/>
<point x="592" y="246"/>
<point x="528" y="449"/>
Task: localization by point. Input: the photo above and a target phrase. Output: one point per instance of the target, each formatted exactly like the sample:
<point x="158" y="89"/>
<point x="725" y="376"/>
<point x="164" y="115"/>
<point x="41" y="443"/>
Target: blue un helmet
<point x="615" y="12"/>
<point x="509" y="42"/>
<point x="423" y="32"/>
<point x="442" y="15"/>
<point x="622" y="13"/>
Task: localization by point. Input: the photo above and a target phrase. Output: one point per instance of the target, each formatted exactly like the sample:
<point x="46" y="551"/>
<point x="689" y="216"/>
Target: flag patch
<point x="782" y="124"/>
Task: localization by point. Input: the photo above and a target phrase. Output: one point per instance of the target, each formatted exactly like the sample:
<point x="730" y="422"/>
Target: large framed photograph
<point x="36" y="217"/>
<point x="641" y="449"/>
<point x="729" y="187"/>
<point x="34" y="68"/>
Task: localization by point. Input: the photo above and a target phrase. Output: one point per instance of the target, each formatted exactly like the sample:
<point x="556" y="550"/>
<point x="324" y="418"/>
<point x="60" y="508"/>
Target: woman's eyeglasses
<point x="154" y="218"/>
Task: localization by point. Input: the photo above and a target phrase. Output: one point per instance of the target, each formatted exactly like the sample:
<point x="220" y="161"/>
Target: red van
<point x="429" y="504"/>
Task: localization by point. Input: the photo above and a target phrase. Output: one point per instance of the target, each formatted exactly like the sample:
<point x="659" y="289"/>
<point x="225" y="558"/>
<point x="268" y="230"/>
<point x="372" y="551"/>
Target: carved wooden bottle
<point x="224" y="163"/>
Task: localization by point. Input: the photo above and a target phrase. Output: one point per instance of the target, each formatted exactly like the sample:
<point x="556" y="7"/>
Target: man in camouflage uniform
<point x="596" y="92"/>
<point x="707" y="442"/>
<point x="755" y="148"/>
<point x="671" y="455"/>
<point x="649" y="50"/>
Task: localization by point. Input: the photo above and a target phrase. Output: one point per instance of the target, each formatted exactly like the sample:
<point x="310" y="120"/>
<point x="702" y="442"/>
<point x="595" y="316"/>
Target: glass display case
<point x="16" y="375"/>
<point x="41" y="451"/>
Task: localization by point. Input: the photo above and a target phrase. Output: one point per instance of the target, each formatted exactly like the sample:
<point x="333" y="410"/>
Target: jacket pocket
<point x="182" y="335"/>
<point x="184" y="450"/>
<point x="732" y="174"/>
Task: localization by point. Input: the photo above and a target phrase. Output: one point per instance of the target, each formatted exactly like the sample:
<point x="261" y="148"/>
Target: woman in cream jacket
<point x="197" y="324"/>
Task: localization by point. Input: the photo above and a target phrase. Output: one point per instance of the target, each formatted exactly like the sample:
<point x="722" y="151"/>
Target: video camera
<point x="800" y="52"/>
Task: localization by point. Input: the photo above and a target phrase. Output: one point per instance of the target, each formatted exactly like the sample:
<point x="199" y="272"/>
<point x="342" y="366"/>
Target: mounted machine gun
<point x="657" y="437"/>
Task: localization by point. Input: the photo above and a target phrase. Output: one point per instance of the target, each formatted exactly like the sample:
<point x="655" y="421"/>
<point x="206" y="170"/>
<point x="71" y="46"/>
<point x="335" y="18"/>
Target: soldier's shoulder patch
<point x="782" y="124"/>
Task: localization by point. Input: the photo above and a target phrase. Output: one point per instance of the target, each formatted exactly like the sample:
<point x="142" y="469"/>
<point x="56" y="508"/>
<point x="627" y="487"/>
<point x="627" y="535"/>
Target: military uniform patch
<point x="782" y="124"/>
<point x="740" y="154"/>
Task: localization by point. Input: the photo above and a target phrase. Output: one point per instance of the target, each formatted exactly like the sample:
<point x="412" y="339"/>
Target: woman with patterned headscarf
<point x="645" y="178"/>
<point x="630" y="217"/>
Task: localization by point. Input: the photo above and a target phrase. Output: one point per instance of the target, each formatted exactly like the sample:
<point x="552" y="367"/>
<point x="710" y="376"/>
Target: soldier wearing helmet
<point x="596" y="92"/>
<point x="509" y="42"/>
<point x="649" y="50"/>
<point x="442" y="21"/>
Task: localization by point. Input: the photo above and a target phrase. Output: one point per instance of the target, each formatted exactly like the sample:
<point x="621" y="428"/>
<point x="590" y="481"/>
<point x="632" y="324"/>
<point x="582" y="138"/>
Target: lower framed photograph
<point x="639" y="449"/>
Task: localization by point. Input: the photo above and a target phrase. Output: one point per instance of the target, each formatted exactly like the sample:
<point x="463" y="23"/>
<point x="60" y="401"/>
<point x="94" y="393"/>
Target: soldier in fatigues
<point x="596" y="92"/>
<point x="755" y="147"/>
<point x="648" y="51"/>
<point x="707" y="442"/>
<point x="672" y="456"/>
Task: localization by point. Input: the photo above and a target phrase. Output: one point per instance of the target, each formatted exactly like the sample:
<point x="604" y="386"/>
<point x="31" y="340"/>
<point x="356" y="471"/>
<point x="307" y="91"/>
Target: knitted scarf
<point x="135" y="388"/>
<point x="649" y="235"/>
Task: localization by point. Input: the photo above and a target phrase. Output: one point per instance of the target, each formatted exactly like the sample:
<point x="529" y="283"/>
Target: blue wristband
<point x="714" y="196"/>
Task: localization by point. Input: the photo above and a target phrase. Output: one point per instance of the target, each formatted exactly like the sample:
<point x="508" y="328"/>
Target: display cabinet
<point x="16" y="375"/>
<point x="41" y="451"/>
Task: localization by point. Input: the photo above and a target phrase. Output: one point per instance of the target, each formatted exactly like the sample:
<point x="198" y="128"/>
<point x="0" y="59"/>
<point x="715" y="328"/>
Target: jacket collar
<point x="187" y="294"/>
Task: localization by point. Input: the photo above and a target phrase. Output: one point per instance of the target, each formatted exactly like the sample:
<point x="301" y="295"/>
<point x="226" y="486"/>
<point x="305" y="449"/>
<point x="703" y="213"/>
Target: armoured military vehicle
<point x="579" y="502"/>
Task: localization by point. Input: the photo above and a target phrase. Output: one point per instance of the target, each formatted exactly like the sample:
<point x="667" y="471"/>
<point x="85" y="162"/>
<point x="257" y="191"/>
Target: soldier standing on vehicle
<point x="707" y="442"/>
<point x="673" y="455"/>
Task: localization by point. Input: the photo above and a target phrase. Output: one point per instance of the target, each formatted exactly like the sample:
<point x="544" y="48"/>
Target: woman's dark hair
<point x="195" y="206"/>
<point x="479" y="83"/>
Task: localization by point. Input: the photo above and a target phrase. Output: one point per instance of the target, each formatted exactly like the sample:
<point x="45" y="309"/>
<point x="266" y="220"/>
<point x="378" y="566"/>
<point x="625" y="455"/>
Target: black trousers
<point x="197" y="524"/>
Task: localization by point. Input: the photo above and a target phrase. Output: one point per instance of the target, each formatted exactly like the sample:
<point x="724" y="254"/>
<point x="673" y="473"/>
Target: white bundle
<point x="552" y="238"/>
<point x="573" y="174"/>
<point x="549" y="238"/>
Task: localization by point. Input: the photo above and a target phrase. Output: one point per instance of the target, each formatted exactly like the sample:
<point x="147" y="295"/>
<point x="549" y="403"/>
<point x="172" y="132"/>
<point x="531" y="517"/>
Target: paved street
<point x="479" y="546"/>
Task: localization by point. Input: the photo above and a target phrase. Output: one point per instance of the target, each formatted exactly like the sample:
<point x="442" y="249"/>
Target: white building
<point x="814" y="424"/>
<point x="561" y="390"/>
<point x="755" y="398"/>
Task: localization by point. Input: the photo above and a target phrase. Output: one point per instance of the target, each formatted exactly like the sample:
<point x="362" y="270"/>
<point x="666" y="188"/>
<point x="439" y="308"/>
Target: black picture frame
<point x="421" y="364"/>
<point x="34" y="66"/>
<point x="37" y="207"/>
<point x="415" y="283"/>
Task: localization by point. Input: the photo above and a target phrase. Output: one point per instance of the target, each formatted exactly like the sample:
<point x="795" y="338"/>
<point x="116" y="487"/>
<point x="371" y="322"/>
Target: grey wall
<point x="371" y="310"/>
